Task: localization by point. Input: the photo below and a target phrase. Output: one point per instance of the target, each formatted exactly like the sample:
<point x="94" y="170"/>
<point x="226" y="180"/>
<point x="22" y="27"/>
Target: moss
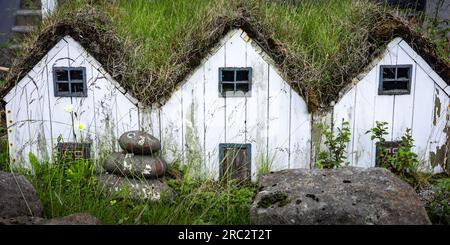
<point x="270" y="199"/>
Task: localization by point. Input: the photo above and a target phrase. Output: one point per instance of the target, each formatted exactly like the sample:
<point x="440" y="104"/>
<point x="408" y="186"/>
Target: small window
<point x="74" y="151"/>
<point x="235" y="81"/>
<point x="235" y="161"/>
<point x="395" y="80"/>
<point x="390" y="146"/>
<point x="70" y="81"/>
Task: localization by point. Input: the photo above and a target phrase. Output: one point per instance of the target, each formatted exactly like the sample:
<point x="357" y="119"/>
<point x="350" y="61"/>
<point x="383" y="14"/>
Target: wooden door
<point x="235" y="162"/>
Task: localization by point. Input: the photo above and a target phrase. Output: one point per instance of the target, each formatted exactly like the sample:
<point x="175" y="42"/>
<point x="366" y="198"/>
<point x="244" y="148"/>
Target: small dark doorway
<point x="235" y="161"/>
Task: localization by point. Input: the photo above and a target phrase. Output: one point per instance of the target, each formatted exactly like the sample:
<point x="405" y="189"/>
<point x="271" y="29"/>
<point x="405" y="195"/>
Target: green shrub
<point x="336" y="144"/>
<point x="404" y="161"/>
<point x="438" y="208"/>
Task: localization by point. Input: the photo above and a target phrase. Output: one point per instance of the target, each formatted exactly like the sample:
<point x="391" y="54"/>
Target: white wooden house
<point x="236" y="103"/>
<point x="402" y="89"/>
<point x="65" y="90"/>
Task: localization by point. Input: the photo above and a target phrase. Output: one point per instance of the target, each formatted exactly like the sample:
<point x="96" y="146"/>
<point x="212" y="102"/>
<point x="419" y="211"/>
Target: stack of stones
<point x="138" y="168"/>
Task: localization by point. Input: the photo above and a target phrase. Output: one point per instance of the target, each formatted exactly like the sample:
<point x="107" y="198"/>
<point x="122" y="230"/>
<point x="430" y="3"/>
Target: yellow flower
<point x="112" y="202"/>
<point x="81" y="126"/>
<point x="68" y="108"/>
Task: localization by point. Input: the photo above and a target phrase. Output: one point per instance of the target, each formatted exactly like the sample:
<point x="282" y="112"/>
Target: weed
<point x="336" y="144"/>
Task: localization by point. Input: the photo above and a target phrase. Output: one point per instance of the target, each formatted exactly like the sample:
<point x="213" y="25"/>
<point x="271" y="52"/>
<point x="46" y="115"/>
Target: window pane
<point x="62" y="87"/>
<point x="77" y="88"/>
<point x="395" y="85"/>
<point x="403" y="72"/>
<point x="242" y="75"/>
<point x="61" y="75"/>
<point x="227" y="76"/>
<point x="76" y="75"/>
<point x="227" y="87"/>
<point x="242" y="87"/>
<point x="388" y="73"/>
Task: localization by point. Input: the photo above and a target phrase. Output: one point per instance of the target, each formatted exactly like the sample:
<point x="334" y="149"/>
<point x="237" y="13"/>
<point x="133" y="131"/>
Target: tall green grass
<point x="70" y="187"/>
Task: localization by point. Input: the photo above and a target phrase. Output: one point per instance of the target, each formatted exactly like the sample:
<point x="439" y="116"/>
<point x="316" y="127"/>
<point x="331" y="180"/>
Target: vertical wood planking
<point x="38" y="118"/>
<point x="364" y="119"/>
<point x="193" y="117"/>
<point x="235" y="56"/>
<point x="300" y="132"/>
<point x="439" y="129"/>
<point x="423" y="113"/>
<point x="215" y="123"/>
<point x="150" y="121"/>
<point x="256" y="108"/>
<point x="83" y="106"/>
<point x="279" y="119"/>
<point x="18" y="126"/>
<point x="61" y="120"/>
<point x="127" y="114"/>
<point x="172" y="128"/>
<point x="404" y="104"/>
<point x="344" y="110"/>
<point x="105" y="119"/>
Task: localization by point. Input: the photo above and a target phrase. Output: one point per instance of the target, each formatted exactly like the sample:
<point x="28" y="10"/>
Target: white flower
<point x="80" y="126"/>
<point x="68" y="108"/>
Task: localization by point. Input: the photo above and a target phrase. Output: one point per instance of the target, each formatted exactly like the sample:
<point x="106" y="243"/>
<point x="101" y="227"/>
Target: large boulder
<point x="139" y="142"/>
<point x="346" y="195"/>
<point x="137" y="189"/>
<point x="18" y="197"/>
<point x="131" y="165"/>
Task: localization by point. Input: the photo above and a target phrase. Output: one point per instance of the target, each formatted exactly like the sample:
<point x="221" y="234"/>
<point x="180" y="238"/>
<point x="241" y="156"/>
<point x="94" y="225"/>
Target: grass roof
<point x="149" y="46"/>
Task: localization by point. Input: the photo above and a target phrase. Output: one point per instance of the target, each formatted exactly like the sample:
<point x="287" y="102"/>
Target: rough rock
<point x="131" y="165"/>
<point x="347" y="195"/>
<point x="73" y="219"/>
<point x="22" y="220"/>
<point x="139" y="142"/>
<point x="138" y="189"/>
<point x="18" y="197"/>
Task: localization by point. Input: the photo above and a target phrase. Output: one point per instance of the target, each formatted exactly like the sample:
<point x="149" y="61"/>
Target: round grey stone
<point x="139" y="142"/>
<point x="144" y="189"/>
<point x="131" y="165"/>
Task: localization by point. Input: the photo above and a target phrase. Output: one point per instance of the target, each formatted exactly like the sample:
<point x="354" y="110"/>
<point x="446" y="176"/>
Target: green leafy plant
<point x="403" y="162"/>
<point x="438" y="208"/>
<point x="336" y="146"/>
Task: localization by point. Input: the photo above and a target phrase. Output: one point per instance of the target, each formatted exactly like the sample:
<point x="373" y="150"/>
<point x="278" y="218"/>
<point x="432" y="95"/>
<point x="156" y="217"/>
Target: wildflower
<point x="81" y="126"/>
<point x="68" y="108"/>
<point x="112" y="202"/>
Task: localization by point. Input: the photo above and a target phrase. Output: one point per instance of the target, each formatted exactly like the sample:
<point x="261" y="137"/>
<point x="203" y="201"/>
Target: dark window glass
<point x="70" y="81"/>
<point x="235" y="81"/>
<point x="403" y="73"/>
<point x="228" y="76"/>
<point x="77" y="88"/>
<point x="395" y="85"/>
<point x="62" y="87"/>
<point x="242" y="75"/>
<point x="395" y="80"/>
<point x="62" y="75"/>
<point x="76" y="75"/>
<point x="227" y="87"/>
<point x="242" y="87"/>
<point x="389" y="73"/>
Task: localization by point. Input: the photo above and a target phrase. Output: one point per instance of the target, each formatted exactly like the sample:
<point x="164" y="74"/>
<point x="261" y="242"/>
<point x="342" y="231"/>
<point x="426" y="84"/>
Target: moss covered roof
<point x="149" y="46"/>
